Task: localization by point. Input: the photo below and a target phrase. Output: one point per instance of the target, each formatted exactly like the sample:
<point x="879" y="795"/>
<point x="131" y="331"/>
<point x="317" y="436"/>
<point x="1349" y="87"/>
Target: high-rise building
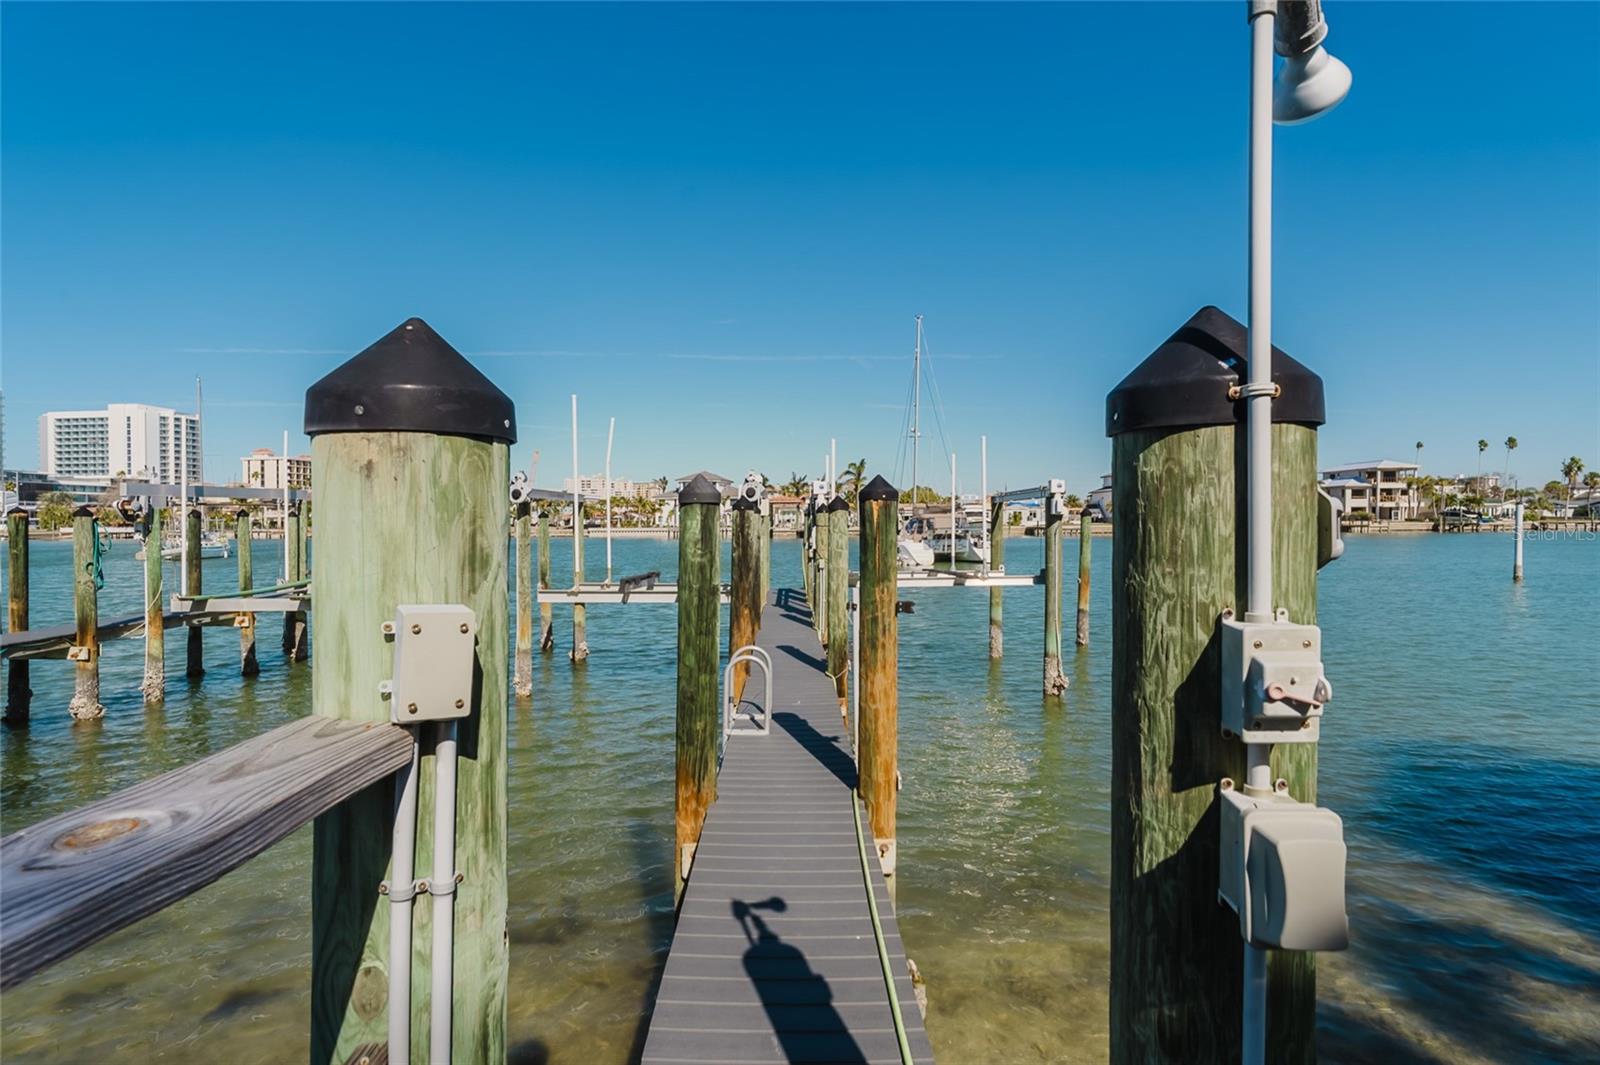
<point x="264" y="468"/>
<point x="124" y="440"/>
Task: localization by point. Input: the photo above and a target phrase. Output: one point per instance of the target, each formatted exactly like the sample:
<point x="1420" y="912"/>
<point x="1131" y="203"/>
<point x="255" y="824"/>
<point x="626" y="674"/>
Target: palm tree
<point x="1511" y="445"/>
<point x="1570" y="470"/>
<point x="1419" y="456"/>
<point x="796" y="485"/>
<point x="1483" y="445"/>
<point x="855" y="473"/>
<point x="1592" y="479"/>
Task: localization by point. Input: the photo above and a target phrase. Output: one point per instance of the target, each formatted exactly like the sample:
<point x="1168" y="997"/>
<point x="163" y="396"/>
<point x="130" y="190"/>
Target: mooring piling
<point x="877" y="760"/>
<point x="547" y="624"/>
<point x="85" y="652"/>
<point x="18" y="693"/>
<point x="997" y="564"/>
<point x="248" y="666"/>
<point x="766" y="549"/>
<point x="1085" y="539"/>
<point x="411" y="447"/>
<point x="293" y="623"/>
<point x="698" y="715"/>
<point x="1055" y="681"/>
<point x="524" y="658"/>
<point x="838" y="595"/>
<point x="744" y="598"/>
<point x="580" y="613"/>
<point x="195" y="656"/>
<point x="1516" y="536"/>
<point x="154" y="685"/>
<point x="1177" y="563"/>
<point x="824" y="533"/>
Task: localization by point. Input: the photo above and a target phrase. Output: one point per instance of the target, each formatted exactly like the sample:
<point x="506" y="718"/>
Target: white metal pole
<point x="183" y="505"/>
<point x="1258" y="427"/>
<point x="833" y="467"/>
<point x="611" y="434"/>
<point x="401" y="891"/>
<point x="855" y="672"/>
<point x="952" y="509"/>
<point x="577" y="504"/>
<point x="983" y="492"/>
<point x="916" y="413"/>
<point x="1516" y="569"/>
<point x="444" y="897"/>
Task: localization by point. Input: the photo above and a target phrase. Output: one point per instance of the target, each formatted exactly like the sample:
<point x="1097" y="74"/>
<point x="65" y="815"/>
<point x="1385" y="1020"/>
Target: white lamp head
<point x="1307" y="85"/>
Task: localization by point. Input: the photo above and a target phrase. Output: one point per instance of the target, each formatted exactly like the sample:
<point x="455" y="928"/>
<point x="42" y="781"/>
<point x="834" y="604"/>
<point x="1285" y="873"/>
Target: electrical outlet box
<point x="1273" y="687"/>
<point x="1282" y="870"/>
<point x="434" y="659"/>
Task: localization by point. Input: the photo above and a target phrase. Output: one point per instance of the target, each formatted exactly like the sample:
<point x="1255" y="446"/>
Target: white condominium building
<point x="264" y="468"/>
<point x="124" y="440"/>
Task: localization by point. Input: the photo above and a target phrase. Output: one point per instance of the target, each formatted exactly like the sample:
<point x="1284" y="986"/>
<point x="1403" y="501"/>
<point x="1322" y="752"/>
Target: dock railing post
<point x="18" y="693"/>
<point x="698" y="716"/>
<point x="1055" y="681"/>
<point x="744" y="598"/>
<point x="1177" y="562"/>
<point x="877" y="762"/>
<point x="997" y="564"/>
<point x="524" y="658"/>
<point x="85" y="651"/>
<point x="248" y="667"/>
<point x="838" y="595"/>
<point x="411" y="448"/>
<point x="547" y="622"/>
<point x="154" y="686"/>
<point x="1085" y="539"/>
<point x="195" y="652"/>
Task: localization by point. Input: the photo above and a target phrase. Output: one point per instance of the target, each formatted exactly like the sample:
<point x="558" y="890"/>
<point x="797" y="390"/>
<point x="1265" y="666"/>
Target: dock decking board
<point x="796" y="976"/>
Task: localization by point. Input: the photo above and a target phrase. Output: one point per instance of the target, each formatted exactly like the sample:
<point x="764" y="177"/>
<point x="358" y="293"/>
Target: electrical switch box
<point x="434" y="660"/>
<point x="1273" y="687"/>
<point x="1282" y="871"/>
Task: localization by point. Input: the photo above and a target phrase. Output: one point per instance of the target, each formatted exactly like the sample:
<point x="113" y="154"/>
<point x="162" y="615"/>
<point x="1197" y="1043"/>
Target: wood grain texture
<point x="74" y="878"/>
<point x="547" y="626"/>
<point x="523" y="665"/>
<point x="880" y="652"/>
<point x="838" y="601"/>
<point x="18" y="692"/>
<point x="697" y="725"/>
<point x="154" y="685"/>
<point x="1177" y="562"/>
<point x="85" y="702"/>
<point x="1085" y="540"/>
<point x="766" y="555"/>
<point x="409" y="518"/>
<point x="1055" y="681"/>
<point x="824" y="577"/>
<point x="248" y="666"/>
<point x="997" y="561"/>
<point x="194" y="650"/>
<point x="294" y="542"/>
<point x="744" y="599"/>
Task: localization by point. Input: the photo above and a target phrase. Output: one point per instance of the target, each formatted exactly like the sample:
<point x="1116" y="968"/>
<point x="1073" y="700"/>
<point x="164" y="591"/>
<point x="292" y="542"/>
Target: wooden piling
<point x="85" y="651"/>
<point x="154" y="685"/>
<point x="1178" y="560"/>
<point x="823" y="575"/>
<point x="18" y="694"/>
<point x="411" y="508"/>
<point x="547" y="623"/>
<point x="997" y="563"/>
<point x="294" y="622"/>
<point x="248" y="667"/>
<point x="766" y="550"/>
<point x="698" y="727"/>
<point x="838" y="595"/>
<point x="524" y="659"/>
<point x="195" y="652"/>
<point x="744" y="598"/>
<point x="1085" y="539"/>
<point x="580" y="613"/>
<point x="879" y="697"/>
<point x="1055" y="681"/>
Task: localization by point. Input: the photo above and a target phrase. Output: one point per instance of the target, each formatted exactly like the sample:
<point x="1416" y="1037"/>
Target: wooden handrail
<point x="74" y="878"/>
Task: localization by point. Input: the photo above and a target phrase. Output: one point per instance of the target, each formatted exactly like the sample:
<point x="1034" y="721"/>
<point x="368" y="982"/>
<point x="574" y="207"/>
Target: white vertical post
<point x="401" y="891"/>
<point x="983" y="492"/>
<point x="442" y="886"/>
<point x="577" y="503"/>
<point x="611" y="434"/>
<point x="833" y="467"/>
<point x="182" y="516"/>
<point x="952" y="509"/>
<point x="1516" y="567"/>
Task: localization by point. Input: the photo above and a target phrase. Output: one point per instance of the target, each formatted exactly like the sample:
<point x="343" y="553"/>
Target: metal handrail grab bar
<point x="758" y="655"/>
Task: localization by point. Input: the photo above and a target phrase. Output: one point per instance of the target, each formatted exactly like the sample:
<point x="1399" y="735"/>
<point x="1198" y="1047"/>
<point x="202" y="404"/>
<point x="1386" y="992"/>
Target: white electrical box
<point x="1282" y="870"/>
<point x="1273" y="687"/>
<point x="434" y="660"/>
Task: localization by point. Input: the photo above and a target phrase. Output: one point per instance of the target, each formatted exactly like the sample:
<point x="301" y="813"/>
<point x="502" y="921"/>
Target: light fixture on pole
<point x="1311" y="81"/>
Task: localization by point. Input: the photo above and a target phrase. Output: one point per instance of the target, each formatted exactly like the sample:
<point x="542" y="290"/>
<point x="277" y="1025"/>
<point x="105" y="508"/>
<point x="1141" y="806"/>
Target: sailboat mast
<point x="916" y="411"/>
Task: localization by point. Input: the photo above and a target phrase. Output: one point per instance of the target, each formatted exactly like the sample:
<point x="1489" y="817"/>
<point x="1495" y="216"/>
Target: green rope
<point x="877" y="934"/>
<point x="92" y="567"/>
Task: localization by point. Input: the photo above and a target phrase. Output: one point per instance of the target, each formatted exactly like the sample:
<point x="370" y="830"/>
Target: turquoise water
<point x="1460" y="750"/>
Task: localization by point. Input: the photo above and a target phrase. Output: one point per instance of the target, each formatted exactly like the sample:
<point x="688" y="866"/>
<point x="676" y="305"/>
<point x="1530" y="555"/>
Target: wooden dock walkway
<point x="774" y="958"/>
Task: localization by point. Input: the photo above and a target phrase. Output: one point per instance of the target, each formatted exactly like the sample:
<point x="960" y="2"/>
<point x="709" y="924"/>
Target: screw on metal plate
<point x="387" y="628"/>
<point x="416" y="630"/>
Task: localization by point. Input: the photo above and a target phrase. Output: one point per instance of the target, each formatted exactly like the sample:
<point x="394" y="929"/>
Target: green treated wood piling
<point x="195" y="651"/>
<point x="838" y="595"/>
<point x="85" y="651"/>
<point x="154" y="685"/>
<point x="248" y="666"/>
<point x="997" y="563"/>
<point x="1085" y="539"/>
<point x="823" y="573"/>
<point x="294" y="622"/>
<point x="18" y="693"/>
<point x="744" y="598"/>
<point x="524" y="659"/>
<point x="1055" y="681"/>
<point x="879" y="698"/>
<point x="766" y="550"/>
<point x="411" y="509"/>
<point x="547" y="623"/>
<point x="699" y="562"/>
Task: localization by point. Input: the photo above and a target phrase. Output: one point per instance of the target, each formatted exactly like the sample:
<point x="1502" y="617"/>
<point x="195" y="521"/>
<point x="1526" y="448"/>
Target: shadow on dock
<point x="825" y="749"/>
<point x="797" y="999"/>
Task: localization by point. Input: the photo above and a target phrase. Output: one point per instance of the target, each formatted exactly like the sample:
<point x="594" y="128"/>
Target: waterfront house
<point x="1386" y="488"/>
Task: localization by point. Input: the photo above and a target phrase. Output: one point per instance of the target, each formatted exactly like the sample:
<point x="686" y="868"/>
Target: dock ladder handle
<point x="748" y="653"/>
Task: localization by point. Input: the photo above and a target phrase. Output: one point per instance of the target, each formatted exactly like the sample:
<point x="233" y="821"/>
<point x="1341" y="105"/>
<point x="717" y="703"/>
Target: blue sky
<point x="715" y="223"/>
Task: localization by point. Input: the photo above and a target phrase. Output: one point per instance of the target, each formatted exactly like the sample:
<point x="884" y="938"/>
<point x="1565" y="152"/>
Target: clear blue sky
<point x="716" y="223"/>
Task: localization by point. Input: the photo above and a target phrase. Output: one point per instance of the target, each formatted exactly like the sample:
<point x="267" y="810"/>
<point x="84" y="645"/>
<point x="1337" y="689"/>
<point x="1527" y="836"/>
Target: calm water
<point x="1461" y="751"/>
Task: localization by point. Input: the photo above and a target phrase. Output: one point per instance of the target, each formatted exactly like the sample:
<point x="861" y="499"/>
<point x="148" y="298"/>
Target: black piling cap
<point x="411" y="381"/>
<point x="878" y="489"/>
<point x="741" y="503"/>
<point x="1184" y="383"/>
<point x="698" y="490"/>
<point x="836" y="504"/>
<point x="83" y="512"/>
<point x="241" y="513"/>
<point x="14" y="511"/>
